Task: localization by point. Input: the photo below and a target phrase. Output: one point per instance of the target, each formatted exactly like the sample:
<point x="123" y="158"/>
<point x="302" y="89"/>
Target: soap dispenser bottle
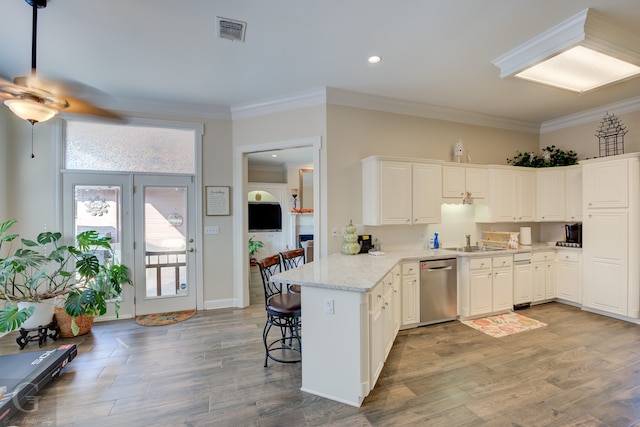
<point x="436" y="243"/>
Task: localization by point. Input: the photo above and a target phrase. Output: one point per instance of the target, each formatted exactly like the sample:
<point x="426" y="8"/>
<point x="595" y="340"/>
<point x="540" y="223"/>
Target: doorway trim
<point x="240" y="224"/>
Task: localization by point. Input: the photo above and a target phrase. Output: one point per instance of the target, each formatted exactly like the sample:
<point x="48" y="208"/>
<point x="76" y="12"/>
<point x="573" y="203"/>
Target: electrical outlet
<point x="328" y="305"/>
<point x="421" y="236"/>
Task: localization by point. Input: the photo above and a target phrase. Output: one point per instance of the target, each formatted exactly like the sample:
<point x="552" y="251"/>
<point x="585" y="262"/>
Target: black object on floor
<point x="25" y="374"/>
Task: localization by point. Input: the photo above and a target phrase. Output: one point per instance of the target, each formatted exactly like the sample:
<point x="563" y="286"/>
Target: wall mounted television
<point x="265" y="216"/>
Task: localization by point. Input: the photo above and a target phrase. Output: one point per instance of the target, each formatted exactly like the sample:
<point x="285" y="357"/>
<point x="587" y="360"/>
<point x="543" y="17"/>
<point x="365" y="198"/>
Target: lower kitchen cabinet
<point x="486" y="285"/>
<point x="522" y="283"/>
<point x="382" y="322"/>
<point x="568" y="276"/>
<point x="410" y="293"/>
<point x="544" y="275"/>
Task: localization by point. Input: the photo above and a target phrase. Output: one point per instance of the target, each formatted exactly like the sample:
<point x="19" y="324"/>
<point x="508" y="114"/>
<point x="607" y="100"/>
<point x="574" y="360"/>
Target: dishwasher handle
<point x="440" y="268"/>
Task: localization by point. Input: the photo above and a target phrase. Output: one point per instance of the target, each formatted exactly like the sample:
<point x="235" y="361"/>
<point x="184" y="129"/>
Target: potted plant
<point x="254" y="248"/>
<point x="45" y="269"/>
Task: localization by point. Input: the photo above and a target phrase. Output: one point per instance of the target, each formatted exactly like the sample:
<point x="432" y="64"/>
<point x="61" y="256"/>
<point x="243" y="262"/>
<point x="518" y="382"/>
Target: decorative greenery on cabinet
<point x="550" y="157"/>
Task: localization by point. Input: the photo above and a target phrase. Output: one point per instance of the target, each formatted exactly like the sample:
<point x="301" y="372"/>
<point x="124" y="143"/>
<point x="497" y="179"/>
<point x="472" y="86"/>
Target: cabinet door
<point x="525" y="196"/>
<point x="480" y="288"/>
<point x="397" y="298"/>
<point x="503" y="194"/>
<point x="605" y="279"/>
<point x="410" y="293"/>
<point x="539" y="281"/>
<point x="453" y="182"/>
<point x="395" y="192"/>
<point x="476" y="182"/>
<point x="568" y="276"/>
<point x="550" y="280"/>
<point x="606" y="184"/>
<point x="502" y="289"/>
<point x="427" y="193"/>
<point x="551" y="199"/>
<point x="573" y="194"/>
<point x="522" y="283"/>
<point x="377" y="352"/>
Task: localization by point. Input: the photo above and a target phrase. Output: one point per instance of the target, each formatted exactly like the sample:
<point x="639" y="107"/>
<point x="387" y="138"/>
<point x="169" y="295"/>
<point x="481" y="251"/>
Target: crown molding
<point x="392" y="105"/>
<point x="173" y="109"/>
<point x="628" y="105"/>
<point x="308" y="98"/>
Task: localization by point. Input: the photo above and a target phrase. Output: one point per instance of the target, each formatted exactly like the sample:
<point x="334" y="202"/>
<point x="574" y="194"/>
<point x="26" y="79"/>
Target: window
<point x="129" y="148"/>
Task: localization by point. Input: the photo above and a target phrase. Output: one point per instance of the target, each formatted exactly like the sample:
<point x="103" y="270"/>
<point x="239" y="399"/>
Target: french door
<point x="152" y="230"/>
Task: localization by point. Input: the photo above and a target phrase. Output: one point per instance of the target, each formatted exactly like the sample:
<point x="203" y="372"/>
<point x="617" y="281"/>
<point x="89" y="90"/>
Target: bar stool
<point x="292" y="259"/>
<point x="283" y="312"/>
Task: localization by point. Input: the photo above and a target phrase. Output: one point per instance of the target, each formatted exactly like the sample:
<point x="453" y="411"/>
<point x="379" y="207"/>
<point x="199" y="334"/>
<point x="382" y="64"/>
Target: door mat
<point x="161" y="319"/>
<point x="504" y="324"/>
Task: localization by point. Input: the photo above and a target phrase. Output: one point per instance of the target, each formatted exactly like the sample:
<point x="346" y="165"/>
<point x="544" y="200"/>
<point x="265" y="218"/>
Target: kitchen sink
<point x="473" y="249"/>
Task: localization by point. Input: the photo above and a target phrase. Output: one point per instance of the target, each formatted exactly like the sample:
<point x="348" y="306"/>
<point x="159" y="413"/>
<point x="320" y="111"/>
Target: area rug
<point x="162" y="319"/>
<point x="504" y="324"/>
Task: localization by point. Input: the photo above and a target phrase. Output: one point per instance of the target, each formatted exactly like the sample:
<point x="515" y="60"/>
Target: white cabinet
<point x="568" y="275"/>
<point x="544" y="275"/>
<point x="382" y="324"/>
<point x="457" y="180"/>
<point x="611" y="235"/>
<point x="400" y="191"/>
<point x="410" y="293"/>
<point x="397" y="297"/>
<point x="486" y="285"/>
<point x="502" y="283"/>
<point x="511" y="196"/>
<point x="550" y="194"/>
<point x="522" y="283"/>
<point x="573" y="193"/>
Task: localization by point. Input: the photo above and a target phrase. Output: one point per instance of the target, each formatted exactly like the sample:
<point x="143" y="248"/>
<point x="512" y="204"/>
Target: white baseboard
<point x="220" y="303"/>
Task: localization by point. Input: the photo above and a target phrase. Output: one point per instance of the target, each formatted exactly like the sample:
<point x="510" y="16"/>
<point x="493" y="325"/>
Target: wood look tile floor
<point x="581" y="370"/>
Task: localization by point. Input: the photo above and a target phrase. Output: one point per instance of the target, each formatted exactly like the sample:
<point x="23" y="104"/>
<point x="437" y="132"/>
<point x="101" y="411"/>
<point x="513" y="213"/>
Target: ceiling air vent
<point x="231" y="30"/>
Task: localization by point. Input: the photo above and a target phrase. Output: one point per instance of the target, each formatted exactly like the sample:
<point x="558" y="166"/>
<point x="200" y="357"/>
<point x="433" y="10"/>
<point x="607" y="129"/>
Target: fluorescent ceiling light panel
<point x="585" y="52"/>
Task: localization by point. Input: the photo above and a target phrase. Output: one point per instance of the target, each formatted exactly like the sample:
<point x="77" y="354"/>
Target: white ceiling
<point x="434" y="52"/>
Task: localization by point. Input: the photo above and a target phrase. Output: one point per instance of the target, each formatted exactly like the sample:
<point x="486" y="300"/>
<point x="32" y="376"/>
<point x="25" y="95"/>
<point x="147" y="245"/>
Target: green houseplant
<point x="254" y="248"/>
<point x="45" y="268"/>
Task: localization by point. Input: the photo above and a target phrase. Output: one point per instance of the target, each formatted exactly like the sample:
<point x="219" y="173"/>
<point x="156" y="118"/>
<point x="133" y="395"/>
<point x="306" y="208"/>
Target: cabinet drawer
<point x="410" y="268"/>
<point x="543" y="256"/>
<point x="376" y="295"/>
<point x="567" y="256"/>
<point x="502" y="261"/>
<point x="480" y="264"/>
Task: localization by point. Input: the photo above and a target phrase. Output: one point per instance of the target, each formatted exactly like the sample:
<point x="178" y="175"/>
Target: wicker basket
<point x="64" y="323"/>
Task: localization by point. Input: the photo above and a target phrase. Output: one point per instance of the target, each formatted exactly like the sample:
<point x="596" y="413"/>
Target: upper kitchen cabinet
<point x="551" y="196"/>
<point x="400" y="191"/>
<point x="458" y="180"/>
<point x="511" y="196"/>
<point x="607" y="185"/>
<point x="573" y="193"/>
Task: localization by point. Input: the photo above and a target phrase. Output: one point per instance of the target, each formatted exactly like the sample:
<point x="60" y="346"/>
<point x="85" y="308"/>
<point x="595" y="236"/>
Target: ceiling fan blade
<point x="78" y="106"/>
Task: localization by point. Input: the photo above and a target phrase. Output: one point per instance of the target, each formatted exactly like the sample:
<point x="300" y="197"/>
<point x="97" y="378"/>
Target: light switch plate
<point x="212" y="230"/>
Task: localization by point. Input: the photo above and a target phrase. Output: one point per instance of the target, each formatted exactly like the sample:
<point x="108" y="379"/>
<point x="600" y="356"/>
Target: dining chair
<point x="283" y="312"/>
<point x="292" y="259"/>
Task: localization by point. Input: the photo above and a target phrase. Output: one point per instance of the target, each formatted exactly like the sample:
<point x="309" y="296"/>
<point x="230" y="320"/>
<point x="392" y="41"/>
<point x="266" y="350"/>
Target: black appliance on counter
<point x="573" y="235"/>
<point x="365" y="242"/>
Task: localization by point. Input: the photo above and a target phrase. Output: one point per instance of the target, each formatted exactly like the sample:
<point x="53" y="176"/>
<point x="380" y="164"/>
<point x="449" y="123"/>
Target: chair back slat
<point x="292" y="259"/>
<point x="268" y="267"/>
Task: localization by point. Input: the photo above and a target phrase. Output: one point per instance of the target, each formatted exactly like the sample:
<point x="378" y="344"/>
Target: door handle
<point x="191" y="250"/>
<point x="440" y="268"/>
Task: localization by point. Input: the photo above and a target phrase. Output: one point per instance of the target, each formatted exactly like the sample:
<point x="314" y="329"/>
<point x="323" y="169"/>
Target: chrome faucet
<point x="468" y="236"/>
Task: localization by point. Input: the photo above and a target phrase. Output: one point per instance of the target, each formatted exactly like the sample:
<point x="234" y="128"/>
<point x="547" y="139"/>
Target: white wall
<point x="5" y="136"/>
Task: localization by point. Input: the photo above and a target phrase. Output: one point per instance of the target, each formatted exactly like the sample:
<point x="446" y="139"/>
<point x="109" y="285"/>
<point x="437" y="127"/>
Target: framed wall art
<point x="217" y="200"/>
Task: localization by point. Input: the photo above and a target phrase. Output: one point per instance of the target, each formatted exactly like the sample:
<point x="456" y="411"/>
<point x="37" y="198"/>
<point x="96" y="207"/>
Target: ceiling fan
<point x="35" y="100"/>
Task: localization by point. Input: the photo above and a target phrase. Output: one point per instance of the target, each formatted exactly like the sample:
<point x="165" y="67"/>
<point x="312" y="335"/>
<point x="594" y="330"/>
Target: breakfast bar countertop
<point x="360" y="273"/>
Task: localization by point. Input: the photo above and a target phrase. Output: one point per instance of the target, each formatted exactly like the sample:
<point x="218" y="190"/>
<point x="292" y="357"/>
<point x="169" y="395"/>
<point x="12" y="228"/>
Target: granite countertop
<point x="360" y="273"/>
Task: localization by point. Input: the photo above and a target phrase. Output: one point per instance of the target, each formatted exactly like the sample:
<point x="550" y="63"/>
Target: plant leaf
<point x="11" y="318"/>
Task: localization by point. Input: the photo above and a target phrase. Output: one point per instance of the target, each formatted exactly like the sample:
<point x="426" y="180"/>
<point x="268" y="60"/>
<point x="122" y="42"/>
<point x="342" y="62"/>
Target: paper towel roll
<point x="525" y="235"/>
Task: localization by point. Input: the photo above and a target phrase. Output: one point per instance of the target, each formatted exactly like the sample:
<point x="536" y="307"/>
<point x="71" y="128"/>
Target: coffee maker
<point x="573" y="235"/>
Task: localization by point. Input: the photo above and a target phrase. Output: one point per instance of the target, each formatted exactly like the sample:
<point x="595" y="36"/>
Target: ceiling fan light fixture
<point x="585" y="52"/>
<point x="31" y="110"/>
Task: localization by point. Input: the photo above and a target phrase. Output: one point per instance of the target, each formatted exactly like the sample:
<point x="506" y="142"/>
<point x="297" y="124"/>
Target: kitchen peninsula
<point x="351" y="313"/>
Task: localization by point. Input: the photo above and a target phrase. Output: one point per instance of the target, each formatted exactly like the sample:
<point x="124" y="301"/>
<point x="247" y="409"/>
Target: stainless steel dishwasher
<point x="438" y="291"/>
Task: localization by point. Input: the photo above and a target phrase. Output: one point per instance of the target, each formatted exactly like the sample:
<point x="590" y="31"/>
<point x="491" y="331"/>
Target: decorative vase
<point x="42" y="313"/>
<point x="350" y="245"/>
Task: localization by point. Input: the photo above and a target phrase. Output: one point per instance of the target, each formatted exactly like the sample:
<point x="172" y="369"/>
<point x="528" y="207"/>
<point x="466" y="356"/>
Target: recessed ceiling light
<point x="374" y="59"/>
<point x="274" y="155"/>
